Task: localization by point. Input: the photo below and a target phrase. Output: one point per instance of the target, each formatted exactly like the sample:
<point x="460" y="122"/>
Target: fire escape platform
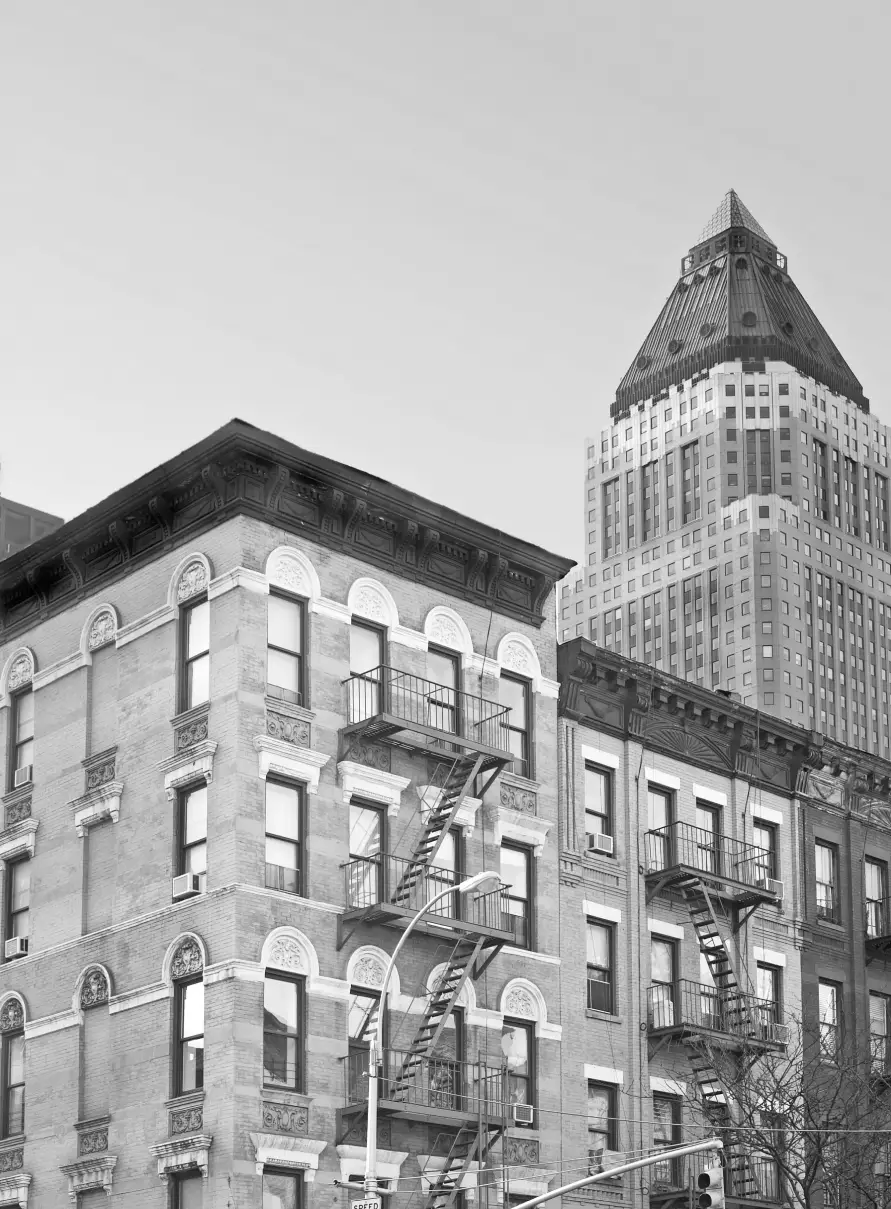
<point x="417" y="736"/>
<point x="443" y="927"/>
<point x="739" y="893"/>
<point x="716" y="1037"/>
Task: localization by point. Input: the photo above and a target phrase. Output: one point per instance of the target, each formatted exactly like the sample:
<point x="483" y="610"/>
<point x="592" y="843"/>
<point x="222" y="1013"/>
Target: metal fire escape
<point x="720" y="880"/>
<point x="467" y="738"/>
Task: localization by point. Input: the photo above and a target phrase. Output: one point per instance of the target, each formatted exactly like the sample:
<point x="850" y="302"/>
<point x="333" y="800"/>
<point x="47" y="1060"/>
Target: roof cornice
<point x="242" y="470"/>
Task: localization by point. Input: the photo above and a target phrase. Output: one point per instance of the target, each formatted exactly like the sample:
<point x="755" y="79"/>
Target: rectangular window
<point x="362" y="1020"/>
<point x="875" y="876"/>
<point x="282" y="1032"/>
<point x="603" y="1122"/>
<point x="662" y="982"/>
<point x="660" y="803"/>
<point x="826" y="871"/>
<point x="22" y="730"/>
<point x="767" y="989"/>
<point x="516" y="875"/>
<point x="600" y="967"/>
<point x="517" y="1048"/>
<point x="188" y="1191"/>
<point x="284" y="848"/>
<point x="765" y="838"/>
<point x="18" y="899"/>
<point x="189" y="1007"/>
<point x="13" y="1084"/>
<point x="707" y="846"/>
<point x="366" y="661"/>
<point x="195" y="688"/>
<point x="366" y="846"/>
<point x="515" y="694"/>
<point x="666" y="1134"/>
<point x="598" y="802"/>
<point x="444" y="670"/>
<point x="284" y="648"/>
<point x="193" y="833"/>
<point x="878" y="1033"/>
<point x="830" y="1019"/>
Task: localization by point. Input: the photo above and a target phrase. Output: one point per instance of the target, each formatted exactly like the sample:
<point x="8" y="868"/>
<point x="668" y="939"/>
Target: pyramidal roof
<point x="732" y="212"/>
<point x="734" y="301"/>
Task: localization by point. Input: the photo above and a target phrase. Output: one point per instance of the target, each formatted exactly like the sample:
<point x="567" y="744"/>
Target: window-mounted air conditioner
<point x="523" y="1114"/>
<point x="23" y="776"/>
<point x="771" y="885"/>
<point x="601" y="843"/>
<point x="186" y="885"/>
<point x="16" y="946"/>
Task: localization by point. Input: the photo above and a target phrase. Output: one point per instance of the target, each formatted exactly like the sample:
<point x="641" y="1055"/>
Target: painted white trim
<point x="238" y="577"/>
<point x="605" y="758"/>
<point x="361" y="780"/>
<point x="64" y="667"/>
<point x="524" y="828"/>
<point x="97" y="805"/>
<point x="604" y="1074"/>
<point x="138" y="997"/>
<point x="373" y="601"/>
<point x="531" y="955"/>
<point x="145" y="625"/>
<point x="235" y="967"/>
<point x="188" y="766"/>
<point x="671" y="1087"/>
<point x="19" y="839"/>
<point x="300" y="577"/>
<point x="443" y="626"/>
<point x="710" y="795"/>
<point x="548" y="688"/>
<point x="299" y="763"/>
<point x="282" y="1150"/>
<point x="601" y="911"/>
<point x="661" y="928"/>
<point x="332" y="609"/>
<point x="768" y="814"/>
<point x="352" y="1162"/>
<point x="666" y="779"/>
<point x="770" y="957"/>
<point x="405" y="636"/>
<point x="51" y="1024"/>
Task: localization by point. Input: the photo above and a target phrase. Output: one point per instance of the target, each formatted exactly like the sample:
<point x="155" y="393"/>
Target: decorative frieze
<point x="515" y="798"/>
<point x="12" y="1160"/>
<point x="284" y="1118"/>
<point x="187" y="736"/>
<point x="93" y="1173"/>
<point x="374" y="755"/>
<point x="182" y="1154"/>
<point x="95" y="1141"/>
<point x="102" y="792"/>
<point x="522" y="1151"/>
<point x="288" y="729"/>
<point x="94" y="989"/>
<point x="100" y="774"/>
<point x="186" y="1120"/>
<point x="187" y="959"/>
<point x="16" y="811"/>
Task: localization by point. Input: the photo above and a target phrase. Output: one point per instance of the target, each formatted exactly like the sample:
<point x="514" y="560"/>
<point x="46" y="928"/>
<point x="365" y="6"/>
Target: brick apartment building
<point x="709" y="856"/>
<point x="21" y="525"/>
<point x="256" y="708"/>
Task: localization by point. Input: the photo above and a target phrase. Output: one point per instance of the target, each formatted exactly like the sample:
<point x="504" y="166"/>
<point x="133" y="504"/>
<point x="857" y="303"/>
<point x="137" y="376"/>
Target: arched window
<point x="12" y="1068"/>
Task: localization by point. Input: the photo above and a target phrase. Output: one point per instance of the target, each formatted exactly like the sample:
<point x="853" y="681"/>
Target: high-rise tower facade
<point x="737" y="508"/>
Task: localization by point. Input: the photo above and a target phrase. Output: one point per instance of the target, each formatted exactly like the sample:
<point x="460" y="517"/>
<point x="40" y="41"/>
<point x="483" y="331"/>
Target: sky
<point x="424" y="239"/>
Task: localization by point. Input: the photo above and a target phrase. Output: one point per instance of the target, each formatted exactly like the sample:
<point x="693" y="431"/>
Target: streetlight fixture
<point x="375" y="1052"/>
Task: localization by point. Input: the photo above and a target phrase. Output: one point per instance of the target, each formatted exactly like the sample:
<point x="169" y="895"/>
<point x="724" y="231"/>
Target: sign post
<point x="367" y="1202"/>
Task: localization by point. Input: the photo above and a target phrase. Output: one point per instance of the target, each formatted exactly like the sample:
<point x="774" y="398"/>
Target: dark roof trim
<point x="243" y="470"/>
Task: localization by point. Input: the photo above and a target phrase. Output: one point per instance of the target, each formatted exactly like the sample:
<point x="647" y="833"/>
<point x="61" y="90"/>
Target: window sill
<point x="286" y="1097"/>
<point x="11" y="1142"/>
<point x="603" y="1017"/>
<point x="514" y="778"/>
<point x="186" y="1099"/>
<point x="279" y="706"/>
<point x="828" y="923"/>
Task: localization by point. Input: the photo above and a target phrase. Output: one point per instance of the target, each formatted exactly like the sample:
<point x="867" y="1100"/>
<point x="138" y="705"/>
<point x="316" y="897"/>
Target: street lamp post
<point x="375" y="1052"/>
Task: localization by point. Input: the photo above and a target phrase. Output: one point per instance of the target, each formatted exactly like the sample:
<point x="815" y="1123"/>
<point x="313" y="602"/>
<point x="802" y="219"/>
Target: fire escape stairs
<point x="444" y="1190"/>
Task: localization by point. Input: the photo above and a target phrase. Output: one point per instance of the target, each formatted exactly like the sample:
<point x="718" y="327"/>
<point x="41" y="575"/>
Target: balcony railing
<point x="676" y="1175"/>
<point x="439" y="1083"/>
<point x="385" y="884"/>
<point x="877" y="918"/>
<point x="686" y="1006"/>
<point x="434" y="709"/>
<point x="681" y="845"/>
<point x="828" y="903"/>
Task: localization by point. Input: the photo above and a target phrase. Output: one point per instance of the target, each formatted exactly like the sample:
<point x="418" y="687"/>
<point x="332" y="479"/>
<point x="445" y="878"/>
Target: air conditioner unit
<point x="601" y="843"/>
<point x="523" y="1114"/>
<point x="16" y="946"/>
<point x="23" y="776"/>
<point x="771" y="885"/>
<point x="186" y="885"/>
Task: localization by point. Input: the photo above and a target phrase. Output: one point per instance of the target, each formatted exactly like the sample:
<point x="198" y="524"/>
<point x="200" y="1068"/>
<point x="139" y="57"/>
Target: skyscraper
<point x="737" y="508"/>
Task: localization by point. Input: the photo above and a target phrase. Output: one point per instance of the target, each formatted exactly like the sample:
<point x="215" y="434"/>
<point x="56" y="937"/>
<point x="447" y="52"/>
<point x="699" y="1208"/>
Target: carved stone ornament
<point x="178" y="1155"/>
<point x="375" y="755"/>
<point x="187" y="959"/>
<point x="286" y="954"/>
<point x="368" y="972"/>
<point x="283" y="1118"/>
<point x="186" y="1120"/>
<point x="445" y="632"/>
<point x="515" y="798"/>
<point x="16" y="812"/>
<point x="93" y="1173"/>
<point x="102" y="630"/>
<point x="94" y="1142"/>
<point x="516" y="658"/>
<point x="289" y="730"/>
<point x="522" y="1151"/>
<point x="289" y="573"/>
<point x="21" y="672"/>
<point x="187" y="736"/>
<point x="520" y="1003"/>
<point x="369" y="603"/>
<point x="100" y="774"/>
<point x="94" y="989"/>
<point x="11" y="1160"/>
<point x="192" y="581"/>
<point x="12" y="1016"/>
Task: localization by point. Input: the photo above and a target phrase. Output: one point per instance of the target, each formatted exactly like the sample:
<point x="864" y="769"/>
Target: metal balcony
<point x="738" y="871"/>
<point x="695" y="1009"/>
<point x="387" y="704"/>
<point x="435" y="1089"/>
<point x="878" y="924"/>
<point x="671" y="1181"/>
<point x="392" y="889"/>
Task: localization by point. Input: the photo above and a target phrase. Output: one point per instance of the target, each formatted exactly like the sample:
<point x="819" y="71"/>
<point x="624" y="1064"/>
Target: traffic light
<point x="710" y="1184"/>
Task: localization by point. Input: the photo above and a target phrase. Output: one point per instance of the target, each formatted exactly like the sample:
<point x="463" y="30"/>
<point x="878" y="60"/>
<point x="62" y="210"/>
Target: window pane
<point x="282" y="810"/>
<point x="706" y="820"/>
<point x="281" y="852"/>
<point x="20" y="892"/>
<point x="514" y="871"/>
<point x="198" y="629"/>
<point x="15" y="1110"/>
<point x="447" y="857"/>
<point x="199" y="681"/>
<point x="284" y="624"/>
<point x="283" y="670"/>
<point x="24" y="754"/>
<point x="279" y="1191"/>
<point x="598" y="1106"/>
<point x="362" y="1016"/>
<point x="662" y="961"/>
<point x="874" y="880"/>
<point x="279" y="1006"/>
<point x="598" y="945"/>
<point x="596" y="791"/>
<point x="663" y="1121"/>
<point x="828" y="1004"/>
<point x="365" y="831"/>
<point x="24" y="716"/>
<point x="193" y="1064"/>
<point x="365" y="649"/>
<point x="193" y="1010"/>
<point x="196" y="859"/>
<point x="658" y="814"/>
<point x="442" y="669"/>
<point x="515" y="1048"/>
<point x="191" y="1193"/>
<point x="513" y="694"/>
<point x="196" y="816"/>
<point x="16" y="1059"/>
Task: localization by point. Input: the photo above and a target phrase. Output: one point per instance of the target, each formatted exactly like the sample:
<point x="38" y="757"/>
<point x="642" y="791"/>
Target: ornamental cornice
<point x="240" y="470"/>
<point x="182" y="1154"/>
<point x="288" y="1151"/>
<point x="192" y="764"/>
<point x="296" y="763"/>
<point x="89" y="1173"/>
<point x="97" y="806"/>
<point x="363" y="781"/>
<point x="14" y="1189"/>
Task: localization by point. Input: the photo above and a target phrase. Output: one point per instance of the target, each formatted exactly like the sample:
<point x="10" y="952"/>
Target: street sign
<point x="368" y="1202"/>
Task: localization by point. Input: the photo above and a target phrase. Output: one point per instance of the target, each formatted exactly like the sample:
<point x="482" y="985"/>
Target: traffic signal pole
<point x="663" y="1156"/>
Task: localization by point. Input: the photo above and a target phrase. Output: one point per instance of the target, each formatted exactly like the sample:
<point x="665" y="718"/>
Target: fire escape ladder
<point x="439" y="1006"/>
<point x="456" y="786"/>
<point x="445" y="1188"/>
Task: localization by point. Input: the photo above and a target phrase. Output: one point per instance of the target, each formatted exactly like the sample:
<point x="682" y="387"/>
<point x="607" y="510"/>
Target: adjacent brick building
<point x="255" y="711"/>
<point x="21" y="525"/>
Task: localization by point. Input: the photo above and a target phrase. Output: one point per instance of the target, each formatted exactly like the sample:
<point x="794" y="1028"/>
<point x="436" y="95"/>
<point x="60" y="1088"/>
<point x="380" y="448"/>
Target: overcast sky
<point x="425" y="239"/>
